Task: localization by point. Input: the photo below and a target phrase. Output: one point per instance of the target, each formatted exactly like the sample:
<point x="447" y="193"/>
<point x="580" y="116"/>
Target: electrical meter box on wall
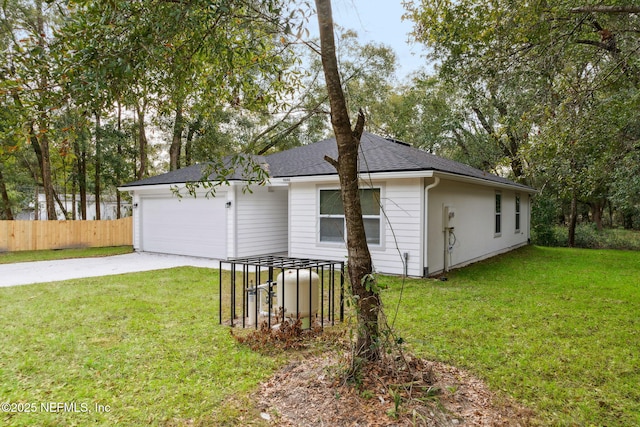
<point x="449" y="216"/>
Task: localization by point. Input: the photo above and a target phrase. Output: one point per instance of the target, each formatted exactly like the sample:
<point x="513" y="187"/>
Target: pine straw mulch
<point x="399" y="390"/>
<point x="310" y="393"/>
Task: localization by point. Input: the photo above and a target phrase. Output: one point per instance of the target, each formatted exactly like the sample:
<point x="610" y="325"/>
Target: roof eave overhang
<point x="485" y="182"/>
<point x="161" y="188"/>
<point x="279" y="181"/>
<point x="363" y="175"/>
<point x="180" y="186"/>
<point x="409" y="174"/>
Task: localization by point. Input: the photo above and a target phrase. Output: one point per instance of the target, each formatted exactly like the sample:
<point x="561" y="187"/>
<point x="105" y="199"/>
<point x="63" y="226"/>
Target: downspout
<point x="425" y="243"/>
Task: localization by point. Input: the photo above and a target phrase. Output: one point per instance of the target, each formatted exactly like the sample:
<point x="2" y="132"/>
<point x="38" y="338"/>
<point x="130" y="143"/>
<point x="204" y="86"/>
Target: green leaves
<point x="543" y="92"/>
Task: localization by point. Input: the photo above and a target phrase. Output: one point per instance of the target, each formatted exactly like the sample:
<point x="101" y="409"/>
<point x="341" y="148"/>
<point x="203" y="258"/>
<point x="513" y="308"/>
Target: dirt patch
<point x="310" y="392"/>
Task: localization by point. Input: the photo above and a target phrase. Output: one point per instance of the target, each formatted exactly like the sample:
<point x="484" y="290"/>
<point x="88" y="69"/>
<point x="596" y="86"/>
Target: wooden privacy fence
<point x="39" y="235"/>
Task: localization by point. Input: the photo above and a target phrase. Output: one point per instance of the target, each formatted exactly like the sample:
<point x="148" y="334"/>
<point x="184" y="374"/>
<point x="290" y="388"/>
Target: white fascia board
<point x="363" y="176"/>
<point x="158" y="188"/>
<point x="164" y="188"/>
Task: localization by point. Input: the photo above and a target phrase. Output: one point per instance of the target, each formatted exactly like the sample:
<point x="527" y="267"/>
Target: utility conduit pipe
<point x="425" y="248"/>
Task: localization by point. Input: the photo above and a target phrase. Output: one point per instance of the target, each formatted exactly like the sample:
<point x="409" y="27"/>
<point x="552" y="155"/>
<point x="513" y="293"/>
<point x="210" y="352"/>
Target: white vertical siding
<point x="401" y="203"/>
<point x="261" y="221"/>
<point x="474" y="222"/>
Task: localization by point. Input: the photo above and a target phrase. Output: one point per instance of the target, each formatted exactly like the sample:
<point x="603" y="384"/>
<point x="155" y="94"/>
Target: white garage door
<point x="187" y="226"/>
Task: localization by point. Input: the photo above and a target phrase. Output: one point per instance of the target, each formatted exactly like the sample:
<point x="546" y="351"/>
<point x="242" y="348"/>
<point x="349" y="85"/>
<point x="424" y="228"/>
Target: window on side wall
<point x="517" y="213"/>
<point x="498" y="214"/>
<point x="332" y="221"/>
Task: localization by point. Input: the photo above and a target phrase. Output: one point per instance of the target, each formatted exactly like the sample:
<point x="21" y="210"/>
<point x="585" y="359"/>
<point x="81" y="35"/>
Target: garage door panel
<point x="187" y="226"/>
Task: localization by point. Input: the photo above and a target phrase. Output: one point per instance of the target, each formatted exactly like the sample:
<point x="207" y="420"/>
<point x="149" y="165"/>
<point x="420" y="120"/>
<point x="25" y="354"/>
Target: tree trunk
<point x="573" y="220"/>
<point x="176" y="141"/>
<point x="36" y="204"/>
<point x="118" y="171"/>
<point x="597" y="209"/>
<point x="40" y="145"/>
<point x="188" y="149"/>
<point x="74" y="201"/>
<point x="81" y="168"/>
<point x="359" y="259"/>
<point x="98" y="164"/>
<point x="43" y="126"/>
<point x="6" y="203"/>
<point x="61" y="205"/>
<point x="142" y="142"/>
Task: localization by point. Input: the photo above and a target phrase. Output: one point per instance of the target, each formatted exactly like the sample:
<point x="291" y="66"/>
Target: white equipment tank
<point x="298" y="280"/>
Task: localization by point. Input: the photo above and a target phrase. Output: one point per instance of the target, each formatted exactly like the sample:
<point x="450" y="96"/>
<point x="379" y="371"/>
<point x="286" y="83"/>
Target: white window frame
<point x="378" y="217"/>
<point x="497" y="219"/>
<point x="518" y="209"/>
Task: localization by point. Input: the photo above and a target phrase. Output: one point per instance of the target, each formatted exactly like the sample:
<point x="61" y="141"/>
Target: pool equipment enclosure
<point x="274" y="289"/>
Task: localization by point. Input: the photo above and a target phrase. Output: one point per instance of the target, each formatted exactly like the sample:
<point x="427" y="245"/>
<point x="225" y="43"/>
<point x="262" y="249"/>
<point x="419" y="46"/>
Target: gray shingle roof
<point x="198" y="172"/>
<point x="377" y="154"/>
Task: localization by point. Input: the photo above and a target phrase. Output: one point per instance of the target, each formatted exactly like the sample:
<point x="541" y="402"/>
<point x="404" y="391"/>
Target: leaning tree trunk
<point x="359" y="262"/>
<point x="40" y="146"/>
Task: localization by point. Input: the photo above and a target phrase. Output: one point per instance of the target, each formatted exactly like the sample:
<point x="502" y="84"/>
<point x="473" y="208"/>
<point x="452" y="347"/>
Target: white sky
<point x="381" y="21"/>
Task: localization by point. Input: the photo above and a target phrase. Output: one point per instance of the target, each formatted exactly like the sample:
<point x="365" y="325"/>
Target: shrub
<point x="543" y="214"/>
<point x="588" y="237"/>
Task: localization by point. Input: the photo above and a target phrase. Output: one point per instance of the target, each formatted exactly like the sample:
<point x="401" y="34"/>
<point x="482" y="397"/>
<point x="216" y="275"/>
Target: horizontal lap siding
<point x="262" y="221"/>
<point x="303" y="224"/>
<point x="402" y="205"/>
<point x="473" y="223"/>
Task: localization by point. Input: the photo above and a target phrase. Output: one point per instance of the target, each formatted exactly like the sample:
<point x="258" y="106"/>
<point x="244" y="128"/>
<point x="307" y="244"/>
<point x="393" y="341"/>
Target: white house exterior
<point x="230" y="224"/>
<point x="423" y="214"/>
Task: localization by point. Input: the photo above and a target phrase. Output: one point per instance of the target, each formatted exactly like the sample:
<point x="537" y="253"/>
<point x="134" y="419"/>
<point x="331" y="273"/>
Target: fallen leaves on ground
<point x="406" y="392"/>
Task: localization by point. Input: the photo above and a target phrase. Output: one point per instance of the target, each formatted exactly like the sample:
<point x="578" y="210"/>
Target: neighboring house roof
<point x="376" y="154"/>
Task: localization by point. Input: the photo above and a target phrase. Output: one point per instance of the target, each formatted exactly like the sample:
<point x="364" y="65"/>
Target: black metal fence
<point x="308" y="289"/>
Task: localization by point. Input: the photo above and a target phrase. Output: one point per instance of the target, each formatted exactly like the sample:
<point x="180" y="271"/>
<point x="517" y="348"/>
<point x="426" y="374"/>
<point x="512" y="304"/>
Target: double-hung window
<point x="517" y="213"/>
<point x="332" y="221"/>
<point x="498" y="214"/>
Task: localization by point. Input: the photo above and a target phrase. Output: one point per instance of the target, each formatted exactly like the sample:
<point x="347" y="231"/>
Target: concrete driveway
<point x="25" y="273"/>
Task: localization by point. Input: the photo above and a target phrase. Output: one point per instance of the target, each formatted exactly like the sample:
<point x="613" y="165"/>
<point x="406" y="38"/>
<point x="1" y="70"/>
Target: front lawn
<point x="557" y="329"/>
<point x="53" y="254"/>
<point x="136" y="349"/>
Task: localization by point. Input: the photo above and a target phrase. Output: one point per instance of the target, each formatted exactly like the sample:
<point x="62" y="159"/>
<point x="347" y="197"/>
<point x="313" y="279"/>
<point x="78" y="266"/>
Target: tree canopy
<point x="97" y="93"/>
<point x="547" y="91"/>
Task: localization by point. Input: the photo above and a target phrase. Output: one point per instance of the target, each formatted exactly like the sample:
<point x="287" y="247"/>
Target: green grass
<point x="27" y="256"/>
<point x="148" y="345"/>
<point x="557" y="329"/>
